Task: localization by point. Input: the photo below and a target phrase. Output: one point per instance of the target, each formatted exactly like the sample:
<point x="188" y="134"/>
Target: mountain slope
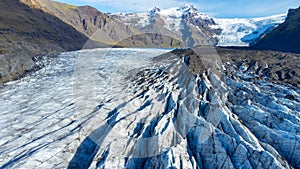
<point x="23" y="27"/>
<point x="86" y="20"/>
<point x="285" y="37"/>
<point x="26" y="32"/>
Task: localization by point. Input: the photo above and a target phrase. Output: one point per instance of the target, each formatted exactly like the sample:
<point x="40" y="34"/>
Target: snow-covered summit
<point x="154" y="11"/>
<point x="179" y="12"/>
<point x="182" y="23"/>
<point x="188" y="8"/>
<point x="167" y="14"/>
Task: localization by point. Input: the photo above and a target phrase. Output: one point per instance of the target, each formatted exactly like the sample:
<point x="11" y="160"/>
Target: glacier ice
<point x="145" y="112"/>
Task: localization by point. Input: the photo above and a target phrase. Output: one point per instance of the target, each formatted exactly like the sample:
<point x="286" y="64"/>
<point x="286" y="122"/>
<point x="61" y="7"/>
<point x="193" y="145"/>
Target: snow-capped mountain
<point x="172" y="17"/>
<point x="193" y="27"/>
<point x="185" y="23"/>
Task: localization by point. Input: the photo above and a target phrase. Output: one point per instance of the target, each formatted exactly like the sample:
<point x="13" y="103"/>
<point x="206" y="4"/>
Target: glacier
<point x="129" y="108"/>
<point x="245" y="31"/>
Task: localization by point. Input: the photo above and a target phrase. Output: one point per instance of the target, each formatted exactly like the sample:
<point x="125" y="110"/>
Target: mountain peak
<point x="154" y="11"/>
<point x="188" y="8"/>
<point x="178" y="12"/>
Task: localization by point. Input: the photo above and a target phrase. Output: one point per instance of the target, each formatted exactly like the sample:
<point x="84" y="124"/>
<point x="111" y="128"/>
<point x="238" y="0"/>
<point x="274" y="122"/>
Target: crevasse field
<point x="119" y="108"/>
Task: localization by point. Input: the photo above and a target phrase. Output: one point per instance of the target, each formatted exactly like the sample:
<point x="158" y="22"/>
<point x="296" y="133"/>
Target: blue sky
<point x="216" y="8"/>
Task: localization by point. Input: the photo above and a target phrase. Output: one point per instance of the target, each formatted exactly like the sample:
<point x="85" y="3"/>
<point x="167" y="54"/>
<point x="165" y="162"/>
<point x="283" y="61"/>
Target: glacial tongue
<point x="178" y="119"/>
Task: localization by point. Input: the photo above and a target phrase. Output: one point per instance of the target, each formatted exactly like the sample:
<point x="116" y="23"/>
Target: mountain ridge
<point x="174" y="22"/>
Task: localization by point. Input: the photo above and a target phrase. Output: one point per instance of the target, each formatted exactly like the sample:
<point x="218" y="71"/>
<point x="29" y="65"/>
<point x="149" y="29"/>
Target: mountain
<point x="285" y="37"/>
<point x="23" y="27"/>
<point x="196" y="28"/>
<point x="26" y="32"/>
<point x="85" y="19"/>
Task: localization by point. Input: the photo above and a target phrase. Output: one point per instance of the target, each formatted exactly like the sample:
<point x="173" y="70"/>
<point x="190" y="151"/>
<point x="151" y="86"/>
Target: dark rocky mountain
<point x="26" y="32"/>
<point x="24" y="27"/>
<point x="285" y="37"/>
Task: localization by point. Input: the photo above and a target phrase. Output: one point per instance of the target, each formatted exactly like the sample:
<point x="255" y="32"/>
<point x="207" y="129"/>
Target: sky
<point x="214" y="8"/>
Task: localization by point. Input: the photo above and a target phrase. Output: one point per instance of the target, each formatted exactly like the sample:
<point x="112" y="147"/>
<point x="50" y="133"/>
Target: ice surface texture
<point x="118" y="108"/>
